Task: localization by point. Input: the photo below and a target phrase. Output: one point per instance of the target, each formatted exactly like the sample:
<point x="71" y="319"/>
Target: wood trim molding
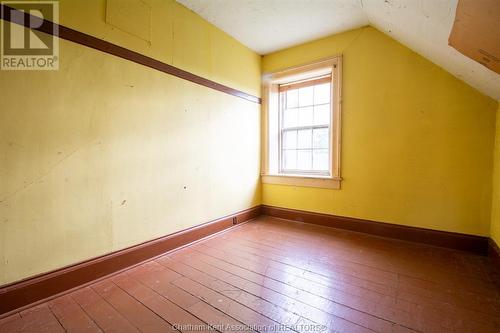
<point x="47" y="285"/>
<point x="113" y="49"/>
<point x="271" y="82"/>
<point x="464" y="242"/>
<point x="493" y="250"/>
<point x="494" y="254"/>
<point x="28" y="292"/>
<point x="319" y="182"/>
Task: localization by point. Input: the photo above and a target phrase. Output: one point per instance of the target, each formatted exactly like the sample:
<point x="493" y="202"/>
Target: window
<point x="305" y="126"/>
<point x="302" y="125"/>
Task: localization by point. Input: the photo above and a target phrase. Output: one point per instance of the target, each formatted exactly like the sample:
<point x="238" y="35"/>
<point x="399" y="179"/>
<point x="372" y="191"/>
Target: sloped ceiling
<point x="266" y="26"/>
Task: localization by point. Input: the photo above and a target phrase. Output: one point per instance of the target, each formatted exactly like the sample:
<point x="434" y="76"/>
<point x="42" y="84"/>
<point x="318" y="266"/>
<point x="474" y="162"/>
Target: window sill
<point x="305" y="181"/>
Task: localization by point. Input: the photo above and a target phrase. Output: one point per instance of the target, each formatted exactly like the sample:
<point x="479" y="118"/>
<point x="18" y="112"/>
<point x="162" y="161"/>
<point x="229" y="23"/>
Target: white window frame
<point x="271" y="146"/>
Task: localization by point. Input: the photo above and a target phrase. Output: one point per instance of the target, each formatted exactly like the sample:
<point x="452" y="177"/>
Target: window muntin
<point x="305" y="126"/>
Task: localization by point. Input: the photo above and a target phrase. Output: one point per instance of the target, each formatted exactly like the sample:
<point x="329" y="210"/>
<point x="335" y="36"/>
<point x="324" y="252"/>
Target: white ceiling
<point x="266" y="26"/>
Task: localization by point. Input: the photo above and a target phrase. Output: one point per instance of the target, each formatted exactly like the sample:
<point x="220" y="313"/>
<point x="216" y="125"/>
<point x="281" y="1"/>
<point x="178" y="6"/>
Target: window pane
<point x="304" y="139"/>
<point x="292" y="98"/>
<point x="320" y="160"/>
<point x="306" y="96"/>
<point x="320" y="138"/>
<point x="322" y="93"/>
<point x="304" y="159"/>
<point x="305" y="116"/>
<point x="290" y="140"/>
<point x="322" y="114"/>
<point x="290" y="159"/>
<point x="290" y="118"/>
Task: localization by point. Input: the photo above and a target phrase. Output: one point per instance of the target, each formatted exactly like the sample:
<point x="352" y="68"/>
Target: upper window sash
<point x="305" y="83"/>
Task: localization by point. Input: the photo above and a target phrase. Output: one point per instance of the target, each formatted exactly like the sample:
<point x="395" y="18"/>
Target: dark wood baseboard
<point x="464" y="242"/>
<point x="81" y="38"/>
<point x="19" y="294"/>
<point x="494" y="254"/>
<point x="23" y="293"/>
<point x="493" y="250"/>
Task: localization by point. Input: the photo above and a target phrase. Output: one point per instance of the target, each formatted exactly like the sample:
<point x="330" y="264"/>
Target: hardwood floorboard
<point x="170" y="312"/>
<point x="383" y="306"/>
<point x="378" y="246"/>
<point x="284" y="276"/>
<point x="240" y="278"/>
<point x="108" y="319"/>
<point x="159" y="279"/>
<point x="349" y="259"/>
<point x="348" y="306"/>
<point x="268" y="309"/>
<point x="320" y="276"/>
<point x="303" y="268"/>
<point x="8" y="319"/>
<point x="285" y="310"/>
<point x="226" y="304"/>
<point x="135" y="312"/>
<point x="71" y="315"/>
<point x="36" y="319"/>
<point x="285" y="258"/>
<point x="327" y="269"/>
<point x="293" y="275"/>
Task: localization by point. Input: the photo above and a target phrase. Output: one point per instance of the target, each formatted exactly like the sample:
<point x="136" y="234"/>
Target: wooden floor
<point x="276" y="275"/>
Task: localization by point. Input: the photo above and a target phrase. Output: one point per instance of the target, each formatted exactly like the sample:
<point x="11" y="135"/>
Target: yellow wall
<point x="495" y="206"/>
<point x="417" y="142"/>
<point x="178" y="37"/>
<point x="105" y="153"/>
